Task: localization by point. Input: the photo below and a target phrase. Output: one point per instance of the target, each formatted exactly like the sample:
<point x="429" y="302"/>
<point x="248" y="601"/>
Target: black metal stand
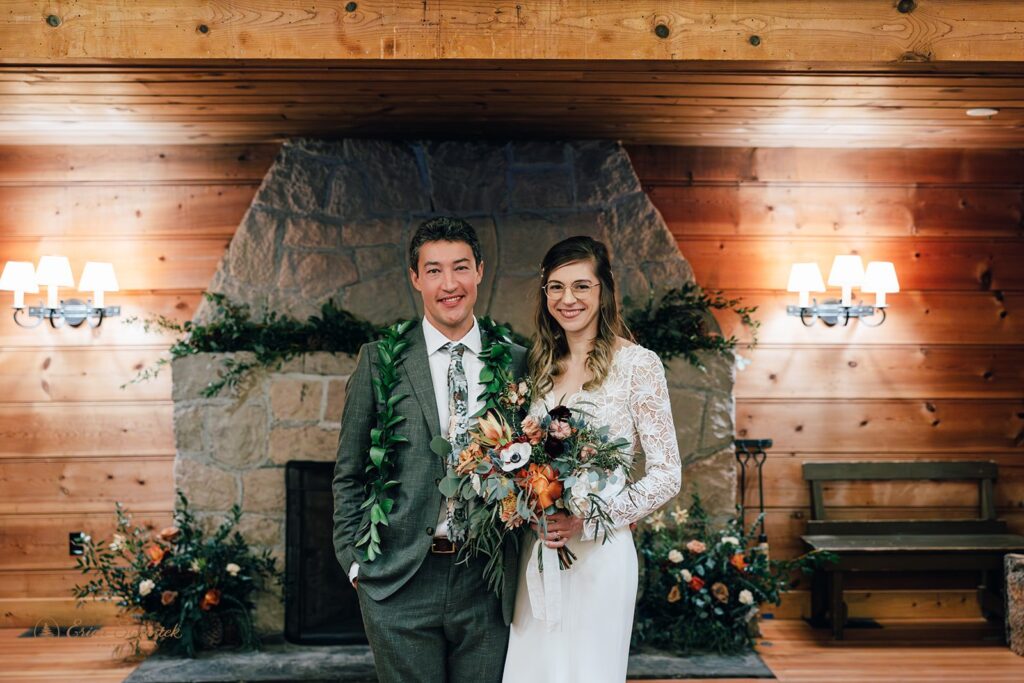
<point x="753" y="451"/>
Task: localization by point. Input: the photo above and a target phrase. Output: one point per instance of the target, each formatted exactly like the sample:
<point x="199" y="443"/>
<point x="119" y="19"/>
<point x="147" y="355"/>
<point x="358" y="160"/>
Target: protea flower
<point x="493" y="431"/>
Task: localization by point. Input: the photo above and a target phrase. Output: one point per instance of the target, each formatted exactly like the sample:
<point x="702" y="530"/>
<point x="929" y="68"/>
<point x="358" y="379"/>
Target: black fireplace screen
<point x="321" y="608"/>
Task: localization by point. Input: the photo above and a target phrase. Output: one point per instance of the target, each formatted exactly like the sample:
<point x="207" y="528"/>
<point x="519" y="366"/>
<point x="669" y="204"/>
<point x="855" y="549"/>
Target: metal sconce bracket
<point x="71" y="312"/>
<point x="832" y="312"/>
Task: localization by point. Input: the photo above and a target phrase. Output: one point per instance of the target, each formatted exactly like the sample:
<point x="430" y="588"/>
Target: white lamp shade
<point x="805" y="277"/>
<point x="98" y="277"/>
<point x="19" y="276"/>
<point x="847" y="271"/>
<point x="54" y="271"/>
<point x="880" y="277"/>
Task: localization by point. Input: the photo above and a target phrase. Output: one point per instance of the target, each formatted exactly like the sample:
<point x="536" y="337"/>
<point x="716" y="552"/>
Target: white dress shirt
<point x="439" y="360"/>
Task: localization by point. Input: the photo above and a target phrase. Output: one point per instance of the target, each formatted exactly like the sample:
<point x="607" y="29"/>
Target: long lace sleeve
<point x="651" y="414"/>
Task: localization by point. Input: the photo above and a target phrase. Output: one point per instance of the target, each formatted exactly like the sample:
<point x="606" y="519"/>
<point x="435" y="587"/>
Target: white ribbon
<point x="545" y="587"/>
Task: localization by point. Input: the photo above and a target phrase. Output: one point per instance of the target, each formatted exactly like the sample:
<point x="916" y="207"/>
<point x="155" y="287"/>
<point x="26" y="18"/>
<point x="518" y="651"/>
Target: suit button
<point x="430" y="531"/>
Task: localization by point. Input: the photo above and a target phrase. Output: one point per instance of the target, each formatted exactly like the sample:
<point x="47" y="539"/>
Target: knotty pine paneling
<point x="941" y="379"/>
<point x="72" y="441"/>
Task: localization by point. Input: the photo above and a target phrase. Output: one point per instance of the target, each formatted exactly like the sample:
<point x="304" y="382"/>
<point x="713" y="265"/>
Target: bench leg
<point x="838" y="606"/>
<point x="819" y="599"/>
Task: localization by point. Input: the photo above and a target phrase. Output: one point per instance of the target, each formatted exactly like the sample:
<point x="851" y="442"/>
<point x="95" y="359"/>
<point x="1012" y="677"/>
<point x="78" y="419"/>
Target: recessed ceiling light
<point x="982" y="111"/>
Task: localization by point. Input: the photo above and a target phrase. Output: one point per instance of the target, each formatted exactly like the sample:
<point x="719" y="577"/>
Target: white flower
<point x="118" y="542"/>
<point x="581" y="488"/>
<point x="515" y="456"/>
<point x="146" y="587"/>
<point x="657" y="520"/>
<point x="746" y="597"/>
<point x="687" y="576"/>
<point x="675" y="556"/>
<point x="731" y="539"/>
<point x="195" y="567"/>
<point x="679" y="515"/>
<point x="742" y="362"/>
<point x="233" y="569"/>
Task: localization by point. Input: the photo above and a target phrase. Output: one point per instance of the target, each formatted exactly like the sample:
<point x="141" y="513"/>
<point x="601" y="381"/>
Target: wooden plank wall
<point x="72" y="442"/>
<point x="943" y="378"/>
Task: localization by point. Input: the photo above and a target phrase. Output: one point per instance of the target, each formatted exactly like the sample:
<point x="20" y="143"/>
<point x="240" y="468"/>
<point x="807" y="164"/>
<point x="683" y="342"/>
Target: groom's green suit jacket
<point x="406" y="542"/>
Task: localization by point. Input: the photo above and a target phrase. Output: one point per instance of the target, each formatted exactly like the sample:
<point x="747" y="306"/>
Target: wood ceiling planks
<point x="761" y="105"/>
<point x="849" y="30"/>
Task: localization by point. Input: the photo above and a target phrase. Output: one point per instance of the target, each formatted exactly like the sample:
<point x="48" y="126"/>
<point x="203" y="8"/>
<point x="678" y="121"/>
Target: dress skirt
<point x="589" y="641"/>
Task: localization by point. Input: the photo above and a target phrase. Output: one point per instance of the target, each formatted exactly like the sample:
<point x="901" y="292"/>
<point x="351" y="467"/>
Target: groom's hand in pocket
<point x="561" y="527"/>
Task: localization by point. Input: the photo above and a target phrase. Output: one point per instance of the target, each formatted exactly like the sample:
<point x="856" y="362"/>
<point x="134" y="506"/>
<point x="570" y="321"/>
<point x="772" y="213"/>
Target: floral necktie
<point x="458" y="435"/>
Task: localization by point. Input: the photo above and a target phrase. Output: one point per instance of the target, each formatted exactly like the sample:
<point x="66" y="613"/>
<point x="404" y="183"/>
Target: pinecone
<point x="211" y="634"/>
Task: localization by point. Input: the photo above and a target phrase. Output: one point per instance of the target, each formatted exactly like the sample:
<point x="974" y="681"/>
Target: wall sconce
<point x="55" y="272"/>
<point x="847" y="272"/>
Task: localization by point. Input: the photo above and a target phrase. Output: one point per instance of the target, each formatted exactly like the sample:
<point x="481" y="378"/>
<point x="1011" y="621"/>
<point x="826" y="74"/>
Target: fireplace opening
<point x="321" y="608"/>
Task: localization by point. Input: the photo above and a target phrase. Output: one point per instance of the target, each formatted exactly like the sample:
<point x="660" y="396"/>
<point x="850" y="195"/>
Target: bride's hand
<point x="561" y="526"/>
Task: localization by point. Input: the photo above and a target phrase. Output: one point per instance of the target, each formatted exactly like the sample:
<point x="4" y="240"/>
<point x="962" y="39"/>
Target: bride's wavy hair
<point x="549" y="349"/>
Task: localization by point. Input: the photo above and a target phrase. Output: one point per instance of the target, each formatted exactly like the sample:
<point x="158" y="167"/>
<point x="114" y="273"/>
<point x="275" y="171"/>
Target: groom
<point x="427" y="618"/>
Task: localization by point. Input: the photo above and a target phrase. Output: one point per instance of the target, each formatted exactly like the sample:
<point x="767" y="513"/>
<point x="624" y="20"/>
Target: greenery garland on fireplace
<point x="674" y="324"/>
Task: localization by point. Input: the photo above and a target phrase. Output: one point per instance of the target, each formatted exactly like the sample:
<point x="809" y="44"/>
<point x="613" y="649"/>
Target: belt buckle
<point x="438" y="551"/>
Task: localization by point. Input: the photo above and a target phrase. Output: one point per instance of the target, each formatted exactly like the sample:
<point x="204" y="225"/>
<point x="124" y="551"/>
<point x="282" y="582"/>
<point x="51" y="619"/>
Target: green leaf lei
<point x="495" y="375"/>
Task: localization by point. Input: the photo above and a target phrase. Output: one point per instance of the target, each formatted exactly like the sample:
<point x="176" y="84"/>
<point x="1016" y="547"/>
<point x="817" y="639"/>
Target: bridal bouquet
<point x="515" y="472"/>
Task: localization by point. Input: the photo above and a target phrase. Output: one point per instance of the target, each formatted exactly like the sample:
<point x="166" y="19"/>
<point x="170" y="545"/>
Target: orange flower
<point x="492" y="430"/>
<point x="542" y="481"/>
<point x="720" y="591"/>
<point x="167" y="597"/>
<point x="696" y="583"/>
<point x="468" y="458"/>
<point x="210" y="599"/>
<point x="169" y="534"/>
<point x="155" y="553"/>
<point x="674" y="595"/>
<point x="738" y="561"/>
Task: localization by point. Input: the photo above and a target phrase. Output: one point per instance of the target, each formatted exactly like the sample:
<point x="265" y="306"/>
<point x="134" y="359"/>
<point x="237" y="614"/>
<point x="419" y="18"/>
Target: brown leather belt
<point x="442" y="546"/>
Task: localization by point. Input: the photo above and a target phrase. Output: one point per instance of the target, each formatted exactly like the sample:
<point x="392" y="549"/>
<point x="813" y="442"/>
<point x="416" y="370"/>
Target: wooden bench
<point x="907" y="544"/>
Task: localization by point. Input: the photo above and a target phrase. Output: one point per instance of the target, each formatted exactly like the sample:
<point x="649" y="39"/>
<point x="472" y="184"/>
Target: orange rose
<point x="169" y="534"/>
<point x="696" y="583"/>
<point x="542" y="480"/>
<point x="210" y="599"/>
<point x="674" y="595"/>
<point x="738" y="561"/>
<point x="167" y="597"/>
<point x="155" y="553"/>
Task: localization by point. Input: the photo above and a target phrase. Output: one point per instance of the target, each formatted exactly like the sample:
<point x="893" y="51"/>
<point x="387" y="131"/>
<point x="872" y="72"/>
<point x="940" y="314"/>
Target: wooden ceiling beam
<point x="842" y="31"/>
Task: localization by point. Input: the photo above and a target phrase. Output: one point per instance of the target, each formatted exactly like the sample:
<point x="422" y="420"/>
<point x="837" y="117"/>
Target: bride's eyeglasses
<point x="579" y="289"/>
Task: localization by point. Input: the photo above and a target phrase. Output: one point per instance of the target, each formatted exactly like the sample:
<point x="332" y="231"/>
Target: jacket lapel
<point x="417" y="371"/>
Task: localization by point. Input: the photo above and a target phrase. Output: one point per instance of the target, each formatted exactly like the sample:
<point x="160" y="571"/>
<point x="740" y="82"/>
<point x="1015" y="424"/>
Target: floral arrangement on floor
<point x="187" y="591"/>
<point x="701" y="587"/>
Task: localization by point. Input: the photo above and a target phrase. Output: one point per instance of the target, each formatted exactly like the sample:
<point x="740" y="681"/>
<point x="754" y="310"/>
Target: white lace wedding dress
<point x="574" y="625"/>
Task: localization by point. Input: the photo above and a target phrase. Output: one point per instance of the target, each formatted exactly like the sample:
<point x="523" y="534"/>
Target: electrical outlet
<point x="76" y="543"/>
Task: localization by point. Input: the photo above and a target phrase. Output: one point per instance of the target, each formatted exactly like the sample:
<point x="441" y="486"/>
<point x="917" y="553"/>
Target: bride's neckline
<point x="568" y="397"/>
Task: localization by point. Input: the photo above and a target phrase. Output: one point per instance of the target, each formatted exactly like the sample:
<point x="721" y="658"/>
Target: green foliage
<point x="677" y="323"/>
<point x="701" y="587"/>
<point x="178" y="583"/>
<point x="383" y="439"/>
<point x="273" y="338"/>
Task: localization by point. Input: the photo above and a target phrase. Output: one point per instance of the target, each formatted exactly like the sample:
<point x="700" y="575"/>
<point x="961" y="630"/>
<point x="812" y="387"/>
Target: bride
<point x="575" y="624"/>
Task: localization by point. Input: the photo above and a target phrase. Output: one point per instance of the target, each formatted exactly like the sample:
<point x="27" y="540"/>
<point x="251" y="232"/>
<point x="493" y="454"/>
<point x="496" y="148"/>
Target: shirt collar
<point x="435" y="339"/>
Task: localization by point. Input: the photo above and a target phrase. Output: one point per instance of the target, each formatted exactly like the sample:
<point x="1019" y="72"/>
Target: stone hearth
<point x="331" y="220"/>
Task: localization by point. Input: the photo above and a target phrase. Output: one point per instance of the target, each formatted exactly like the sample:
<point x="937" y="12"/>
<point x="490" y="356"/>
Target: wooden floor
<point x="900" y="651"/>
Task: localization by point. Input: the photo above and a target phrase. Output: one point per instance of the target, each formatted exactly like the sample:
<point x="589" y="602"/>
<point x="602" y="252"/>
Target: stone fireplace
<point x="331" y="220"/>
